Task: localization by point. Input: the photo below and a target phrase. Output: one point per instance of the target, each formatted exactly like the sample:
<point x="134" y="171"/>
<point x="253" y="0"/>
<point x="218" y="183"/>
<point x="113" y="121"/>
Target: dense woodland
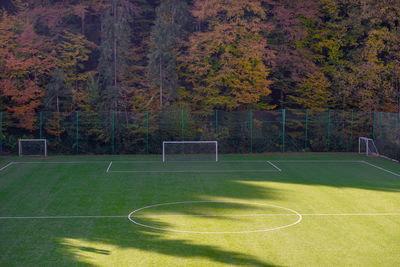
<point x="231" y="55"/>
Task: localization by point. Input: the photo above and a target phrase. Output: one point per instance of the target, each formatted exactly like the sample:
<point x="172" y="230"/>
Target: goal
<point x="32" y="147"/>
<point x="367" y="146"/>
<point x="190" y="150"/>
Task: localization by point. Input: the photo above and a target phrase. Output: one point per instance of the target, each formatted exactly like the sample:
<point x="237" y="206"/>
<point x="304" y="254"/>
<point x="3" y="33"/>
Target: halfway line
<point x="58" y="217"/>
<point x="198" y="215"/>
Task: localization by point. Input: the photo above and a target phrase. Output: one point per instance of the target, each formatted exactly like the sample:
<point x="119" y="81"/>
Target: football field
<point x="304" y="209"/>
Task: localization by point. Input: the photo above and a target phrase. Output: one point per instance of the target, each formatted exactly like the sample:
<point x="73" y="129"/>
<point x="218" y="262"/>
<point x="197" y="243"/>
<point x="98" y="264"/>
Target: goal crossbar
<point x="369" y="145"/>
<point x="182" y="150"/>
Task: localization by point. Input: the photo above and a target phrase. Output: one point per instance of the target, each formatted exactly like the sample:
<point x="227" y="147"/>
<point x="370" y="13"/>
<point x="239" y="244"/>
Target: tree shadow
<point x="121" y="195"/>
<point x="125" y="235"/>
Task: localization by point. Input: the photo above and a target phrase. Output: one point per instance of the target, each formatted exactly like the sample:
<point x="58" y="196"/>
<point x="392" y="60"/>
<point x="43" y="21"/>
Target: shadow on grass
<point x="123" y="235"/>
<point x="83" y="241"/>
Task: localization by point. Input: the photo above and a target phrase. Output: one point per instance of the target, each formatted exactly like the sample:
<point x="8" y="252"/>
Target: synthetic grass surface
<point x="350" y="211"/>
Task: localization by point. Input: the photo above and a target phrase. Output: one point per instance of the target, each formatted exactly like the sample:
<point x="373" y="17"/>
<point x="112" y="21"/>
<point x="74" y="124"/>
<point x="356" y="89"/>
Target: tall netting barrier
<point x="252" y="131"/>
<point x="386" y="134"/>
<point x="267" y="131"/>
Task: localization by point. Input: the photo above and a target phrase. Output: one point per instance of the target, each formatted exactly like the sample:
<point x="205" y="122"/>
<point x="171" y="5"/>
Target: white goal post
<point x="367" y="146"/>
<point x="190" y="150"/>
<point x="32" y="147"/>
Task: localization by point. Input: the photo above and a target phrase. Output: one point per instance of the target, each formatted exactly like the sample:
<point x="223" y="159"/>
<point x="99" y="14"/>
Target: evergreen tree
<point x="115" y="41"/>
<point x="172" y="17"/>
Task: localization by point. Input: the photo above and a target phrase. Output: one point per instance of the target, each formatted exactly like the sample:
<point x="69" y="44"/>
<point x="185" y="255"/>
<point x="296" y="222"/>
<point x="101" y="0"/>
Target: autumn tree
<point x="72" y="52"/>
<point x="25" y="62"/>
<point x="224" y="66"/>
<point x="352" y="43"/>
<point x="291" y="63"/>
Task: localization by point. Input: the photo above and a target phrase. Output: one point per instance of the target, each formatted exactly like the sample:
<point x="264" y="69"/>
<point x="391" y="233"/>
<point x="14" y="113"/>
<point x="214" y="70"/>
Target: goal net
<point x="32" y="147"/>
<point x="190" y="150"/>
<point x="367" y="146"/>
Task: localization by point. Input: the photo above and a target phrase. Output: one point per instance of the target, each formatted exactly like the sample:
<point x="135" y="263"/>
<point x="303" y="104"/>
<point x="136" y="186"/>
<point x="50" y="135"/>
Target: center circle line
<point x="131" y="216"/>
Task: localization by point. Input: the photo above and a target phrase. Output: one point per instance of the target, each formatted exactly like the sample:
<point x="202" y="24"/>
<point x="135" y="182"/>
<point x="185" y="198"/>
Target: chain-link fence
<point x="236" y="132"/>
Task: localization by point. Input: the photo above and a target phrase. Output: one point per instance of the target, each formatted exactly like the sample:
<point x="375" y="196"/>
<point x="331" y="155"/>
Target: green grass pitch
<point x="249" y="210"/>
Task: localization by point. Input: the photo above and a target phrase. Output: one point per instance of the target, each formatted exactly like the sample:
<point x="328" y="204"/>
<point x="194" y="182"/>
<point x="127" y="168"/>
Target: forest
<point x="137" y="56"/>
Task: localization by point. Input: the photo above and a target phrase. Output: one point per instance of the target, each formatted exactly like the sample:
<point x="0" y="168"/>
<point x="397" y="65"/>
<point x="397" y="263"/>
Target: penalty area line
<point x="380" y="168"/>
<point x="8" y="165"/>
<point x="273" y="165"/>
<point x="109" y="166"/>
<point x="195" y="171"/>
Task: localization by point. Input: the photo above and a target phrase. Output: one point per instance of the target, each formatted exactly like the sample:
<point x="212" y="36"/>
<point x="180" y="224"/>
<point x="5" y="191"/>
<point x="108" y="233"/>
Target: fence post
<point x="41" y="125"/>
<point x="1" y="133"/>
<point x="283" y="129"/>
<point x="251" y="131"/>
<point x="77" y="132"/>
<point x="395" y="134"/>
<point x="306" y="137"/>
<point x="183" y="127"/>
<point x="387" y="131"/>
<point x="395" y="127"/>
<point x="112" y="133"/>
<point x="329" y="130"/>
<point x="380" y="125"/>
<point x="147" y="132"/>
<point x="216" y="125"/>
<point x="373" y="127"/>
<point x="351" y="132"/>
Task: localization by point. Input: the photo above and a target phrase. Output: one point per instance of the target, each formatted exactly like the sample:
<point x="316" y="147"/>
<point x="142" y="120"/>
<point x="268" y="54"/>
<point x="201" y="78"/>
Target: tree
<point x="172" y="17"/>
<point x="73" y="51"/>
<point x="58" y="93"/>
<point x="313" y="92"/>
<point x="115" y="40"/>
<point x="292" y="63"/>
<point x="224" y="65"/>
<point x="354" y="44"/>
<point x="24" y="65"/>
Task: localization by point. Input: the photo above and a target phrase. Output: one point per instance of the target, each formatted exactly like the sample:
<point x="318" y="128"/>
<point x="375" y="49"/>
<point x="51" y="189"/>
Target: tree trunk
<point x="161" y="83"/>
<point x="83" y="25"/>
<point x="58" y="106"/>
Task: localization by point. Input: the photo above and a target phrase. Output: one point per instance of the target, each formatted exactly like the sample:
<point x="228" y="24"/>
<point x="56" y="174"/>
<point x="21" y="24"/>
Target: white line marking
<point x="109" y="166"/>
<point x="380" y="168"/>
<point x="205" y="201"/>
<point x="58" y="217"/>
<point x="322" y="161"/>
<point x="212" y="215"/>
<point x="8" y="165"/>
<point x="58" y="162"/>
<point x="196" y="215"/>
<point x="195" y="171"/>
<point x="269" y="214"/>
<point x="273" y="165"/>
<point x="352" y="214"/>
